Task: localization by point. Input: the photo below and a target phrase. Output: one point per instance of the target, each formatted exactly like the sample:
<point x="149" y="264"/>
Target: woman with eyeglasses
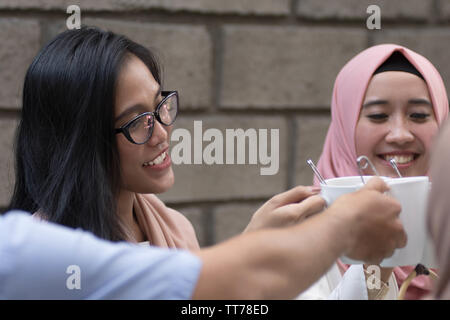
<point x="92" y="146"/>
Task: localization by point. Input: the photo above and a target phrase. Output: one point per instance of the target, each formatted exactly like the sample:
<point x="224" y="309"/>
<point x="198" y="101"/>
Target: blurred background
<point x="262" y="64"/>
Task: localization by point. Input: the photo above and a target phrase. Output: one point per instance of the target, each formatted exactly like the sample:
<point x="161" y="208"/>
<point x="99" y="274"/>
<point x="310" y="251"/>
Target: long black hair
<point x="66" y="157"/>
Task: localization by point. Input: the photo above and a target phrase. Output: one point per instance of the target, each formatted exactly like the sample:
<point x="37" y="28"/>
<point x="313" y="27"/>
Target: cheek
<point x="127" y="156"/>
<point x="426" y="134"/>
<point x="123" y="149"/>
<point x="366" y="137"/>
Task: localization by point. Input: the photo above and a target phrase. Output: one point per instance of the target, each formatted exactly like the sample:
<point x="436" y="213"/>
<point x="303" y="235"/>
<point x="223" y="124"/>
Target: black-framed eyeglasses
<point x="139" y="129"/>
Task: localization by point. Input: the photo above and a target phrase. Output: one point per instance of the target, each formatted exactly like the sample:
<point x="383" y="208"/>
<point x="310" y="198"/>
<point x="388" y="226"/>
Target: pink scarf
<point x="163" y="226"/>
<point x="339" y="152"/>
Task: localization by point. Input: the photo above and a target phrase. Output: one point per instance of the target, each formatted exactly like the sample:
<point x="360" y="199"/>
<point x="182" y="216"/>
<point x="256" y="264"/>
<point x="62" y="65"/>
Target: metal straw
<point x="362" y="167"/>
<point x="394" y="165"/>
<point x="316" y="172"/>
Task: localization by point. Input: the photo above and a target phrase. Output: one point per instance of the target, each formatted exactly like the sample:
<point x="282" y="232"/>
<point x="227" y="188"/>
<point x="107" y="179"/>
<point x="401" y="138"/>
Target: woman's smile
<point x="403" y="159"/>
<point x="162" y="161"/>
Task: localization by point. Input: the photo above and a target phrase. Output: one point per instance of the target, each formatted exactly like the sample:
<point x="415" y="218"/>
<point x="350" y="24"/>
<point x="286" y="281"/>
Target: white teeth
<point x="156" y="161"/>
<point x="399" y="159"/>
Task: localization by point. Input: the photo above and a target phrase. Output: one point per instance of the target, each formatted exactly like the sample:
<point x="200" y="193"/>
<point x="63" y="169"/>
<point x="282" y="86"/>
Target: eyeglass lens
<point x="141" y="129"/>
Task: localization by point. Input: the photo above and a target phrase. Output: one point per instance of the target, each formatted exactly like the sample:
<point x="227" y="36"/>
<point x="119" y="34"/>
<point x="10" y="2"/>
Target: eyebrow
<point x="384" y="102"/>
<point x="374" y="102"/>
<point x="137" y="107"/>
<point x="420" y="101"/>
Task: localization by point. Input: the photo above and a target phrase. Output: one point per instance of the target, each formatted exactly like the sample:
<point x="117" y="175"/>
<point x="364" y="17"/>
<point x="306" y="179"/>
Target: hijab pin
<point x="316" y="171"/>
<point x="362" y="163"/>
<point x="394" y="165"/>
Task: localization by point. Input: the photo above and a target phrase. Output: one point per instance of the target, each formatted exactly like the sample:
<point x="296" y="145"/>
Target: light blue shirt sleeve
<point x="41" y="260"/>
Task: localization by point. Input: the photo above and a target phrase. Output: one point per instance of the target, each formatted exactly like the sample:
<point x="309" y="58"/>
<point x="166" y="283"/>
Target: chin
<point x="160" y="189"/>
<point x="156" y="186"/>
<point x="162" y="186"/>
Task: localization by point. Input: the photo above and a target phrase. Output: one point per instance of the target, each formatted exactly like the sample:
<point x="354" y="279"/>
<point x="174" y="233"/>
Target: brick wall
<point x="263" y="64"/>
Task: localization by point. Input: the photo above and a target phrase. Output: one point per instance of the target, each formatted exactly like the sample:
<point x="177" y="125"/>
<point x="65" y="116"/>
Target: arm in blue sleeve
<point x="40" y="260"/>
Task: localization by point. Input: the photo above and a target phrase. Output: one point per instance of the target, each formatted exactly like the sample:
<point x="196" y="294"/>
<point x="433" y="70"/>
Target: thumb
<point x="377" y="184"/>
<point x="293" y="195"/>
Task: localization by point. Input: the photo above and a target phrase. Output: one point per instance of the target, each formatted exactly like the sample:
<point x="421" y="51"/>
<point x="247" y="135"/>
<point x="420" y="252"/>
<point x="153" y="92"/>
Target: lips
<point x="156" y="161"/>
<point x="400" y="158"/>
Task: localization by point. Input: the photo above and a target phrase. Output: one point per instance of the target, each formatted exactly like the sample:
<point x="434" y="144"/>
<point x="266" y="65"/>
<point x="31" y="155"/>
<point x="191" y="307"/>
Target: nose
<point x="399" y="133"/>
<point x="159" y="135"/>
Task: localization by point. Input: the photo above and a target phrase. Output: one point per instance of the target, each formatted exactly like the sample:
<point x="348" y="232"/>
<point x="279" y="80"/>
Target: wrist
<point x="340" y="224"/>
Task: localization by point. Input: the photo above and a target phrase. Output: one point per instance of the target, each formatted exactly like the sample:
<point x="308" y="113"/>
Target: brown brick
<point x="272" y="67"/>
<point x="20" y="43"/>
<point x="444" y="9"/>
<point x="357" y="9"/>
<point x="232" y="219"/>
<point x="7" y="128"/>
<point x="311" y="132"/>
<point x="431" y="43"/>
<point x="243" y="7"/>
<point x="36" y="4"/>
<point x="256" y="7"/>
<point x="203" y="182"/>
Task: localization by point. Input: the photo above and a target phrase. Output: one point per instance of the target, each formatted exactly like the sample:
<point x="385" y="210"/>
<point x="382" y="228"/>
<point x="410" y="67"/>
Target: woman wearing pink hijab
<point x="388" y="102"/>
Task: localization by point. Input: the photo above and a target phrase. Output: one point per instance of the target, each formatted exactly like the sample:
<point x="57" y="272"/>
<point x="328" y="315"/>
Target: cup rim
<point x="385" y="179"/>
<point x="404" y="180"/>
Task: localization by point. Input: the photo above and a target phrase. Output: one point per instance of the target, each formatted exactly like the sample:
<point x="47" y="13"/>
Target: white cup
<point x="412" y="193"/>
<point x="337" y="187"/>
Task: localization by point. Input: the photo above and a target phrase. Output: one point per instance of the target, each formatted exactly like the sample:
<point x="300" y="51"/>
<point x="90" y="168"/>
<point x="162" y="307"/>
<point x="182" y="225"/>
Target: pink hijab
<point x="338" y="156"/>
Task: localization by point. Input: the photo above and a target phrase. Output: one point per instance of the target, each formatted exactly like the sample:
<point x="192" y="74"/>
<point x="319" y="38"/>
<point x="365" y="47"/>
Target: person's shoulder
<point x="15" y="226"/>
<point x="14" y="218"/>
